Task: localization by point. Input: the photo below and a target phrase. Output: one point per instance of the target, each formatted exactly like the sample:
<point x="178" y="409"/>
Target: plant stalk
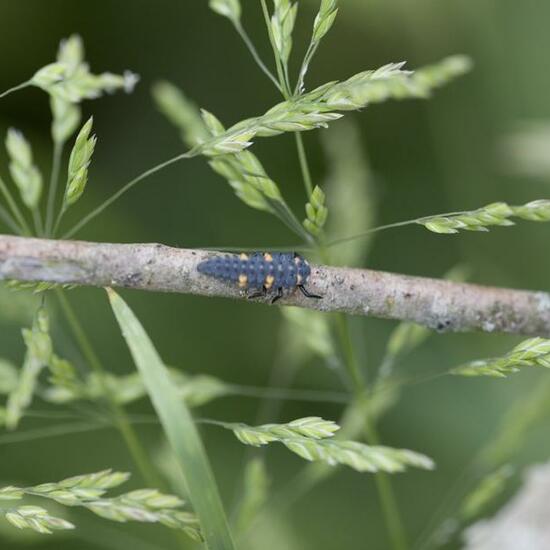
<point x="121" y="419"/>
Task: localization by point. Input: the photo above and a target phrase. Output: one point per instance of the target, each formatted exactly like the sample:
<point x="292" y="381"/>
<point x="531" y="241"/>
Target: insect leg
<point x="259" y="294"/>
<point x="308" y="294"/>
<point x="279" y="295"/>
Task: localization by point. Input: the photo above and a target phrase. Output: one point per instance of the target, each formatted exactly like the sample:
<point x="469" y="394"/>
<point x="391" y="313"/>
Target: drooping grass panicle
<point x="246" y="175"/>
<point x="495" y="214"/>
<point x="388" y="82"/>
<point x="534" y="352"/>
<point x="243" y="170"/>
<point x="306" y="113"/>
<point x="87" y="491"/>
<point x="37" y="357"/>
<point x="360" y="457"/>
<point x="311" y="438"/>
<point x="66" y="387"/>
<point x="318" y="108"/>
<point x="23" y="171"/>
<point x="74" y="85"/>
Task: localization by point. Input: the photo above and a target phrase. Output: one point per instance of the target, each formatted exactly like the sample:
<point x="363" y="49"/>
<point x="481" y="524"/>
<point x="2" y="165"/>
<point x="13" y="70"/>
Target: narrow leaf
<point x="178" y="426"/>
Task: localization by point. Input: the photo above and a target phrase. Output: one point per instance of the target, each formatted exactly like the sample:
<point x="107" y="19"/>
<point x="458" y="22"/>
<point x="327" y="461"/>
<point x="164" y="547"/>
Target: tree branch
<point x="437" y="304"/>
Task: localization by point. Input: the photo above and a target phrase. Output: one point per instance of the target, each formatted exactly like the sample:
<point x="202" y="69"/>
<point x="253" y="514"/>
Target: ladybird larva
<point x="262" y="272"/>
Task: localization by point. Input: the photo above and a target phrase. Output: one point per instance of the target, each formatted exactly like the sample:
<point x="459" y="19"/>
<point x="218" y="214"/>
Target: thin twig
<point x="15" y="88"/>
<point x="438" y="304"/>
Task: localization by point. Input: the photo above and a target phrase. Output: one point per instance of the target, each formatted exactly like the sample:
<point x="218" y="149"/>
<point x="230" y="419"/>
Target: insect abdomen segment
<point x="268" y="272"/>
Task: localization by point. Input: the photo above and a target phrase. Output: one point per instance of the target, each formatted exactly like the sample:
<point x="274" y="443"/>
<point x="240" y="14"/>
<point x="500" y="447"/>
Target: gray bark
<point x="437" y="304"/>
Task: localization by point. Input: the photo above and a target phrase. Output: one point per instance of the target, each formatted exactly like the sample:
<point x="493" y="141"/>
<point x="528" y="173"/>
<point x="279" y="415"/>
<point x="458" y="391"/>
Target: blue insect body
<point x="263" y="272"/>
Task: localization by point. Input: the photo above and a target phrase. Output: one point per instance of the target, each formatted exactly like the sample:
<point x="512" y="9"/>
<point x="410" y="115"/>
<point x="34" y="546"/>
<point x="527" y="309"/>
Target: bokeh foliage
<point x="425" y="157"/>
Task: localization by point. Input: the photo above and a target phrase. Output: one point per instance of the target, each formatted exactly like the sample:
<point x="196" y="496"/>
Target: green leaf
<point x="179" y="427"/>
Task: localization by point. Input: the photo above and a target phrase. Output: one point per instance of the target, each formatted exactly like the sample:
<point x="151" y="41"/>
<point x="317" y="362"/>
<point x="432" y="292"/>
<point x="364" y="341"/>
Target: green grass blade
<point x="179" y="428"/>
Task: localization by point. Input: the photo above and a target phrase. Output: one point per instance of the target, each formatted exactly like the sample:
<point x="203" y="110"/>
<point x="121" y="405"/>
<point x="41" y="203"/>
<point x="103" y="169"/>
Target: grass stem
<point x="15" y="209"/>
<point x="121" y="420"/>
<point x="54" y="180"/>
<point x="252" y="49"/>
<point x="304" y="165"/>
<point x="105" y="204"/>
<point x="15" y="88"/>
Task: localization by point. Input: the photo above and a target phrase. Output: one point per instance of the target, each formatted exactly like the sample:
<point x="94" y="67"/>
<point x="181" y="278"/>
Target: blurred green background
<point x="427" y="157"/>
